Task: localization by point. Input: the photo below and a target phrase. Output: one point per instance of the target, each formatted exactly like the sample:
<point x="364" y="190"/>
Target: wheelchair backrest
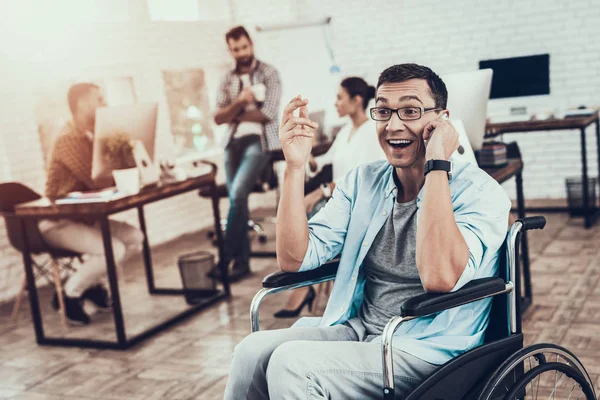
<point x="499" y="325"/>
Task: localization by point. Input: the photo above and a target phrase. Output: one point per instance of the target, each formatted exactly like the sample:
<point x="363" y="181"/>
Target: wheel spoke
<point x="531" y="372"/>
<point x="529" y="359"/>
<point x="538" y="386"/>
<point x="554" y="391"/>
<point x="571" y="392"/>
<point x="553" y="394"/>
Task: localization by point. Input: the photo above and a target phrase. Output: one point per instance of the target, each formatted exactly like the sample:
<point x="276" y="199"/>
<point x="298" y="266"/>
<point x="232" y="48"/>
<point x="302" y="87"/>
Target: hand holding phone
<point x="441" y="139"/>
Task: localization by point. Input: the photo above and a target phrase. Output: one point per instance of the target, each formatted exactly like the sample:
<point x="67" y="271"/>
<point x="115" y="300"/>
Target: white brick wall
<point x="453" y="36"/>
<point x="448" y="36"/>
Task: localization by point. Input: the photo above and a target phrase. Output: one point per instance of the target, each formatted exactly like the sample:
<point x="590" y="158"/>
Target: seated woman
<point x="355" y="144"/>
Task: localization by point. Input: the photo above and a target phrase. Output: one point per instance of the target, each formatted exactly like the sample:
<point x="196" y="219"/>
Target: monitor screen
<point x="519" y="76"/>
<point x="115" y="128"/>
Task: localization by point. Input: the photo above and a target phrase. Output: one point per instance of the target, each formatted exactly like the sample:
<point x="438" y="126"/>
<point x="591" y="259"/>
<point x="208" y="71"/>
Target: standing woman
<point x="355" y="144"/>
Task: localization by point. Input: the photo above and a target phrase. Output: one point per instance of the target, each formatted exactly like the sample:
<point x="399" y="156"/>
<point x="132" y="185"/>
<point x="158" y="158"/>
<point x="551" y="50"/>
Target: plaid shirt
<point x="231" y="88"/>
<point x="70" y="167"/>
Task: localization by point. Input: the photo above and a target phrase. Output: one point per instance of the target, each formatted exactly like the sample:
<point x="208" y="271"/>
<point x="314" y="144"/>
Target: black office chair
<point x="501" y="368"/>
<point x="266" y="182"/>
<point x="12" y="194"/>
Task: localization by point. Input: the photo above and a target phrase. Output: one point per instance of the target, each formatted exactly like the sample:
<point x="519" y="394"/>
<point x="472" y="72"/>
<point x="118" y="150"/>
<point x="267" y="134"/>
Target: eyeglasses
<point x="404" y="113"/>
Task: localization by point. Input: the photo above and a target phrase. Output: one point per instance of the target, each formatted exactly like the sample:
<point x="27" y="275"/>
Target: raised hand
<point x="296" y="133"/>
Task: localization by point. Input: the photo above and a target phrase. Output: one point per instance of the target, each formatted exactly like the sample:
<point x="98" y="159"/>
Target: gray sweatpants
<point x="337" y="362"/>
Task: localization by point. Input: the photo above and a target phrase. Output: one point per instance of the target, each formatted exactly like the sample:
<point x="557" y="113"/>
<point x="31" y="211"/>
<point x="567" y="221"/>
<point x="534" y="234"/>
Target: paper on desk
<point x="101" y="196"/>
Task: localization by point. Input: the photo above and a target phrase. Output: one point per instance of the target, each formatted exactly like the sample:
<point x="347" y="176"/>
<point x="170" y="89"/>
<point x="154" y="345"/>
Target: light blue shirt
<point x="358" y="209"/>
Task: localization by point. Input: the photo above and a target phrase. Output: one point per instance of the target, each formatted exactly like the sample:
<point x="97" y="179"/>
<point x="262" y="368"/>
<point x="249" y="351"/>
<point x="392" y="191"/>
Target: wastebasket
<point x="194" y="268"/>
<point x="575" y="195"/>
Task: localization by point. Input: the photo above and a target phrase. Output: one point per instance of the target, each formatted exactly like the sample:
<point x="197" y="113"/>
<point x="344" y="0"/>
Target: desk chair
<point x="267" y="182"/>
<point x="12" y="194"/>
<point x="501" y="368"/>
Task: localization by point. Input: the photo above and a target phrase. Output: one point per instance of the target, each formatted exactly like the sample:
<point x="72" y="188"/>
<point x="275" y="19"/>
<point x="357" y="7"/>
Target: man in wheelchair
<point x="415" y="224"/>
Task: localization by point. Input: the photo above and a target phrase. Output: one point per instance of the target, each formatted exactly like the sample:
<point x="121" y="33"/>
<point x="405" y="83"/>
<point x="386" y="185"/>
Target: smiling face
<point x="402" y="141"/>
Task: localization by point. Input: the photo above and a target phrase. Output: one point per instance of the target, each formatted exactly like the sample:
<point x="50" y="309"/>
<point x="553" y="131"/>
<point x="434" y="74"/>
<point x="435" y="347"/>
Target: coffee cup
<point x="259" y="90"/>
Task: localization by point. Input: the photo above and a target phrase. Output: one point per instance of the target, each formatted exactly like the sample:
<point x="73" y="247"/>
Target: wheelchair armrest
<point x="282" y="281"/>
<point x="325" y="272"/>
<point x="431" y="303"/>
<point x="530" y="223"/>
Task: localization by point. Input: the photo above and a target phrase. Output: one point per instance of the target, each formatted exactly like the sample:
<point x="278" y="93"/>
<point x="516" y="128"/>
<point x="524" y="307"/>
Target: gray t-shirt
<point x="390" y="269"/>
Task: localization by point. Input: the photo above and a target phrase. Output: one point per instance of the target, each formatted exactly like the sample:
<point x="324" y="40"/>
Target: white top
<point x="247" y="128"/>
<point x="347" y="153"/>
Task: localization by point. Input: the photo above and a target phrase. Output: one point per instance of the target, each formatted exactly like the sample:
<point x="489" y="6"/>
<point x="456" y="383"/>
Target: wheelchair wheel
<point x="574" y="384"/>
<point x="542" y="371"/>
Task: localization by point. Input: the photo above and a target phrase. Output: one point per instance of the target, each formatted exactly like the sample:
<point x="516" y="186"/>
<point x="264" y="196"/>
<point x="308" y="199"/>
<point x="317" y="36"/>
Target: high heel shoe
<point x="308" y="300"/>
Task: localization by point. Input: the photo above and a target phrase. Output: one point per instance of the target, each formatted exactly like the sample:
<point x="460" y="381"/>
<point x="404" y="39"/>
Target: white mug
<point x="260" y="91"/>
<point x="127" y="180"/>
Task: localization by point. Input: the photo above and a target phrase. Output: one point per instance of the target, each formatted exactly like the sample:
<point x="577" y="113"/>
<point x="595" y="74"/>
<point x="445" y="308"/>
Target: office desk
<point x="44" y="208"/>
<point x="579" y="123"/>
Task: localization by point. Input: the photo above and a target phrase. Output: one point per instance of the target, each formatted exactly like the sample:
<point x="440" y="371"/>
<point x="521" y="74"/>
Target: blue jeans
<point x="244" y="164"/>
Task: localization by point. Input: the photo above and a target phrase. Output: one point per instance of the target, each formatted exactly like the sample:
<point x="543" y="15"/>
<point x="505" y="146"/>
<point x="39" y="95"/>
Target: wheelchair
<point x="501" y="368"/>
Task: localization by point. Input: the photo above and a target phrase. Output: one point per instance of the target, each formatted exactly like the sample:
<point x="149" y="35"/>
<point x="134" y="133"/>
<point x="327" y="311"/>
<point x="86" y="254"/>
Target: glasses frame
<point x="397" y="112"/>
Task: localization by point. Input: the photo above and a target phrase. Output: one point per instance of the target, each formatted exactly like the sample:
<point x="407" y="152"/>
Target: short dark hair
<point x="76" y="92"/>
<point x="236" y="33"/>
<point x="404" y="72"/>
<point x="358" y="87"/>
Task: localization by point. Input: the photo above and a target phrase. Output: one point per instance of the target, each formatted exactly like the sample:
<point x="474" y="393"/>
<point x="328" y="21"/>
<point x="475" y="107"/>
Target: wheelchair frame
<point x="431" y="303"/>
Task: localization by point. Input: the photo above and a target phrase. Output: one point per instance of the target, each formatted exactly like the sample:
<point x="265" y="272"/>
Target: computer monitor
<point x="519" y="76"/>
<point x="464" y="151"/>
<point x="138" y="121"/>
<point x="468" y="94"/>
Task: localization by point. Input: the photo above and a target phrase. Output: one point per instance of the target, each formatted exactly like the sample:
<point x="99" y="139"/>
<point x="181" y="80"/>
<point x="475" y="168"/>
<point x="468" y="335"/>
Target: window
<point x="189" y="111"/>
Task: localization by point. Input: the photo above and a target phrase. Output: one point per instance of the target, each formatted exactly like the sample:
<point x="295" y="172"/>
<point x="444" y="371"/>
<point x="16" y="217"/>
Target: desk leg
<point x="527" y="297"/>
<point x="587" y="218"/>
<point x="146" y="250"/>
<point x="219" y="237"/>
<point x="31" y="289"/>
<point x="111" y="269"/>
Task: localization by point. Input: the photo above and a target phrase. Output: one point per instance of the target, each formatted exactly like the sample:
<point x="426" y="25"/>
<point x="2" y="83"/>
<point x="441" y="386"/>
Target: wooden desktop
<point x="590" y="212"/>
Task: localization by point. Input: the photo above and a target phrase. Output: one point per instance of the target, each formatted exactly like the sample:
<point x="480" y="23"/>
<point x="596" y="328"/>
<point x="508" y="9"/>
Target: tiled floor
<point x="190" y="361"/>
